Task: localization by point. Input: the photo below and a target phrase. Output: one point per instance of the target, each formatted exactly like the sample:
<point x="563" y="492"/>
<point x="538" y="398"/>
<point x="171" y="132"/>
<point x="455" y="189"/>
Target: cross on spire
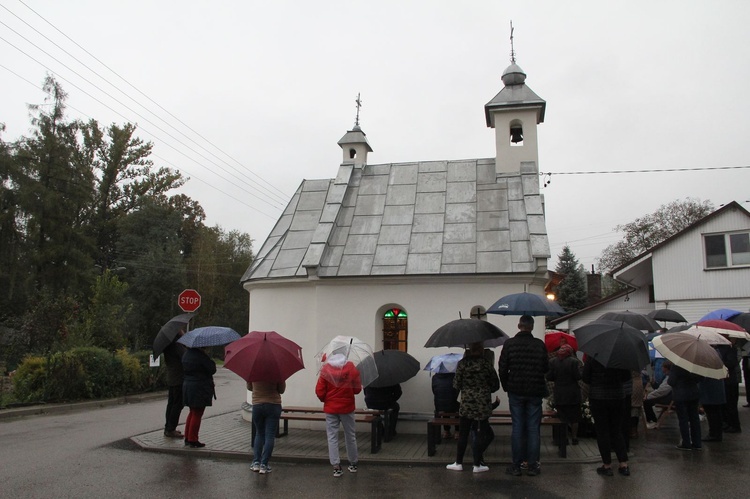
<point x="512" y="50"/>
<point x="359" y="105"/>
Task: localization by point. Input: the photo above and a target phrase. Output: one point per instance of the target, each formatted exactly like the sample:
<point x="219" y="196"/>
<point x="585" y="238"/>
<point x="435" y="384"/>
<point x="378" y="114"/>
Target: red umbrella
<point x="263" y="356"/>
<point x="721" y="324"/>
<point x="553" y="340"/>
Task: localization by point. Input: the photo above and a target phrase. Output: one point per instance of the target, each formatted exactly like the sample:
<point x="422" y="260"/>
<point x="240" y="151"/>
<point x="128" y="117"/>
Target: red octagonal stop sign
<point x="189" y="300"/>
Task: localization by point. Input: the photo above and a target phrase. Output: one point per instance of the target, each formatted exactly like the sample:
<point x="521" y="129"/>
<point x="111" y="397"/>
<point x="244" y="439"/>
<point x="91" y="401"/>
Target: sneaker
<point x="264" y="468"/>
<point x="337" y="471"/>
<point x="255" y="466"/>
<point x="352" y="468"/>
<point x="513" y="470"/>
<point x="683" y="447"/>
<point x="524" y="465"/>
<point x="534" y="470"/>
<point x="651" y="425"/>
<point x="455" y="467"/>
<point x="173" y="434"/>
<point x="624" y="470"/>
<point x="481" y="468"/>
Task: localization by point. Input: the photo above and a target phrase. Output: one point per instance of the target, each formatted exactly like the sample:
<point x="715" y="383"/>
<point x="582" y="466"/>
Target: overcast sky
<point x="248" y="98"/>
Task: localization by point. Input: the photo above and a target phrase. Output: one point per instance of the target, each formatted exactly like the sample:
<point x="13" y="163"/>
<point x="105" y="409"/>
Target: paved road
<point x="87" y="454"/>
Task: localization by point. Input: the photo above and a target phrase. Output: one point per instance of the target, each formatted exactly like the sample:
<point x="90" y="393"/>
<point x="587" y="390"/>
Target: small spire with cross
<point x="512" y="50"/>
<point x="359" y="106"/>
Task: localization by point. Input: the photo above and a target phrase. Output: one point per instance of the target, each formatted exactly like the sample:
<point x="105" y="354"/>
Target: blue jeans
<point x="525" y="440"/>
<point x="266" y="422"/>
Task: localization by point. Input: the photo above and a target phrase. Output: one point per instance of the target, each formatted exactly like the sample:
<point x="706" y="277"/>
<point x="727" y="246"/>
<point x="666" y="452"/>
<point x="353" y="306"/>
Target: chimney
<point x="593" y="287"/>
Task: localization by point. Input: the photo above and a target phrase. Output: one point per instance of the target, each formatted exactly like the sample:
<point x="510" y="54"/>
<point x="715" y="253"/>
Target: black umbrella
<point x="680" y="327"/>
<point x="666" y="315"/>
<point x="462" y="332"/>
<point x="526" y="304"/>
<point x="168" y="332"/>
<point x="613" y="344"/>
<point x="633" y="319"/>
<point x="394" y="367"/>
<point x="742" y="320"/>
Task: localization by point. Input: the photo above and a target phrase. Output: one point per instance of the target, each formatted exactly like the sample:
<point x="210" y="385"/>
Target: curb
<point x="48" y="409"/>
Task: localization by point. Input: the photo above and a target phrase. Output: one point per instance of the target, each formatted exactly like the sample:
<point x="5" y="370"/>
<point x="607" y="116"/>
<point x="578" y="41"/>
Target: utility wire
<point x="272" y="217"/>
<point x="258" y="191"/>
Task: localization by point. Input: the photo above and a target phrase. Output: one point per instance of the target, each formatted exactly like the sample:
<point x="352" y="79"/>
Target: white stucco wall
<point x="312" y="312"/>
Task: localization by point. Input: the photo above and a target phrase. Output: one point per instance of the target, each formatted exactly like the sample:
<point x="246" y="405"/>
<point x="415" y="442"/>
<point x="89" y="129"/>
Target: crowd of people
<point x="526" y="371"/>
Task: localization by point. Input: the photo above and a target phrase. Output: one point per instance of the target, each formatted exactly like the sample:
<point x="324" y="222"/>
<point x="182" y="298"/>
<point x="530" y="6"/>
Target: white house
<point x="390" y="252"/>
<point x="704" y="267"/>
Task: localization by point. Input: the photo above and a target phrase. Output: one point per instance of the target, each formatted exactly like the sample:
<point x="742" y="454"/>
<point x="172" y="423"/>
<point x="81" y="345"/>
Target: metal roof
<point x="425" y="218"/>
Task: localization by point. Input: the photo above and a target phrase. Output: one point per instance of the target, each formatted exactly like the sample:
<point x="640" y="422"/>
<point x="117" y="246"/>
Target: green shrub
<point x="85" y="373"/>
<point x="29" y="380"/>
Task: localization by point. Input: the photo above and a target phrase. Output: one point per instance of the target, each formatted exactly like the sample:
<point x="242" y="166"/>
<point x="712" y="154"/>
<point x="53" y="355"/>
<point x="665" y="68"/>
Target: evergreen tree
<point x="571" y="292"/>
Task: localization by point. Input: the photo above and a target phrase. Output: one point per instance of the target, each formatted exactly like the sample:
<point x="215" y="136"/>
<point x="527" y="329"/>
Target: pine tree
<point x="571" y="292"/>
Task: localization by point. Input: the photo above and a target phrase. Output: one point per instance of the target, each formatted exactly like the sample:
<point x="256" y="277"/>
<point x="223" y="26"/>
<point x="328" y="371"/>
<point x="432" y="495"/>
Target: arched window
<point x="352" y="153"/>
<point x="395" y="329"/>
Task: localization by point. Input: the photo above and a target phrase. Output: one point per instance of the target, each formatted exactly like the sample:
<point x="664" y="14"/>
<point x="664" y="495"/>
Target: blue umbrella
<point x="209" y="336"/>
<point x="526" y="304"/>
<point x="445" y="363"/>
<point x="723" y="314"/>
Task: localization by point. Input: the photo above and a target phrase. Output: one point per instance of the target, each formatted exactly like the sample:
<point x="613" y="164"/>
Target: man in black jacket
<point x="522" y="367"/>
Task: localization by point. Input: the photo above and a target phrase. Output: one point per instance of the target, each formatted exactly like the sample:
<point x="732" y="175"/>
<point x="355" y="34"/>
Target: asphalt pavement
<point x="97" y="450"/>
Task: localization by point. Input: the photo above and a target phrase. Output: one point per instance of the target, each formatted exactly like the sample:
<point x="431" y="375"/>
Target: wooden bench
<point x="299" y="413"/>
<point x="666" y="410"/>
<point x="498" y="418"/>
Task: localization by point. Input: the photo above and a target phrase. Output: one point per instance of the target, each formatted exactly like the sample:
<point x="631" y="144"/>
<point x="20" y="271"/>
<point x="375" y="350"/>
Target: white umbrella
<point x="708" y="334"/>
<point x="355" y="351"/>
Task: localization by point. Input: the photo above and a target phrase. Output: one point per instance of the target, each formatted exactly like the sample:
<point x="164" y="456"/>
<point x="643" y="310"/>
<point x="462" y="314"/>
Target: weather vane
<point x="512" y="50"/>
<point x="359" y="105"/>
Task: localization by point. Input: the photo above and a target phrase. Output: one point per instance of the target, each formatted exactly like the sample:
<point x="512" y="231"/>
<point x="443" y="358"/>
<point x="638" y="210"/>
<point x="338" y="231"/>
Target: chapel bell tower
<point x="354" y="143"/>
<point x="514" y="113"/>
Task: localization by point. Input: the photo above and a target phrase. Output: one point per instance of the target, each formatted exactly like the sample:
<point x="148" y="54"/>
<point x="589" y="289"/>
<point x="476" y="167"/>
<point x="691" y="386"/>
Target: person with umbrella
<point x="385" y="398"/>
<point x="338" y="383"/>
<point x="686" y="394"/>
<point x="173" y="354"/>
<point x="730" y="413"/>
<point x="445" y="396"/>
<point x="476" y="380"/>
<point x="266" y="414"/>
<point x="522" y="368"/>
<point x="166" y="342"/>
<point x="606" y="397"/>
<point x="197" y="390"/>
<point x="564" y="372"/>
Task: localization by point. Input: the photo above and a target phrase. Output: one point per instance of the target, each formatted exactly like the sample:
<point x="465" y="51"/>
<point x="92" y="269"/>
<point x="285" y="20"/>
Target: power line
<point x="142" y="93"/>
<point x="655" y="170"/>
<point x="272" y="217"/>
<point x="278" y="203"/>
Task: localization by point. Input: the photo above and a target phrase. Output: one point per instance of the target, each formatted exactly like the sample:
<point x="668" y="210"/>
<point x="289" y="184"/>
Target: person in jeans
<point x="338" y="383"/>
<point x="475" y="379"/>
<point x="607" y="397"/>
<point x="522" y="368"/>
<point x="266" y="414"/>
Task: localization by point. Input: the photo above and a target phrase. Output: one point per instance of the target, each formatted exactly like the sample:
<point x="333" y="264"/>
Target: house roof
<point x="734" y="205"/>
<point x="425" y="218"/>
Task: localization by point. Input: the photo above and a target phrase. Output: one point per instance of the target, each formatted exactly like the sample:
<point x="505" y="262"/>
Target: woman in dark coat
<point x="686" y="393"/>
<point x="565" y="371"/>
<point x="606" y="397"/>
<point x="197" y="390"/>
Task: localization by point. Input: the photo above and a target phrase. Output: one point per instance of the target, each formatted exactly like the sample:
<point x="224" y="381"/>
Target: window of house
<point x="727" y="250"/>
<point x="395" y="330"/>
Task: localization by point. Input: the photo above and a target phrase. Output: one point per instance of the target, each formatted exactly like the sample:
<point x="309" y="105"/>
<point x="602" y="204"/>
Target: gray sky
<point x="248" y="98"/>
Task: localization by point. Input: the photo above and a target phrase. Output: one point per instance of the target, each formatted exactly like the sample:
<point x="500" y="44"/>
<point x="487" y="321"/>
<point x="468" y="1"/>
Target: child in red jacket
<point x="337" y="384"/>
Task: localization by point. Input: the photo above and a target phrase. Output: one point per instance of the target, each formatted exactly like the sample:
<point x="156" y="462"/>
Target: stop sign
<point x="189" y="300"/>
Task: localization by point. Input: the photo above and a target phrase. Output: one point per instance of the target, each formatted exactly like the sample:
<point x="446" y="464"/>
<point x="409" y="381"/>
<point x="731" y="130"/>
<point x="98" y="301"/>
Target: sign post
<point x="189" y="300"/>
